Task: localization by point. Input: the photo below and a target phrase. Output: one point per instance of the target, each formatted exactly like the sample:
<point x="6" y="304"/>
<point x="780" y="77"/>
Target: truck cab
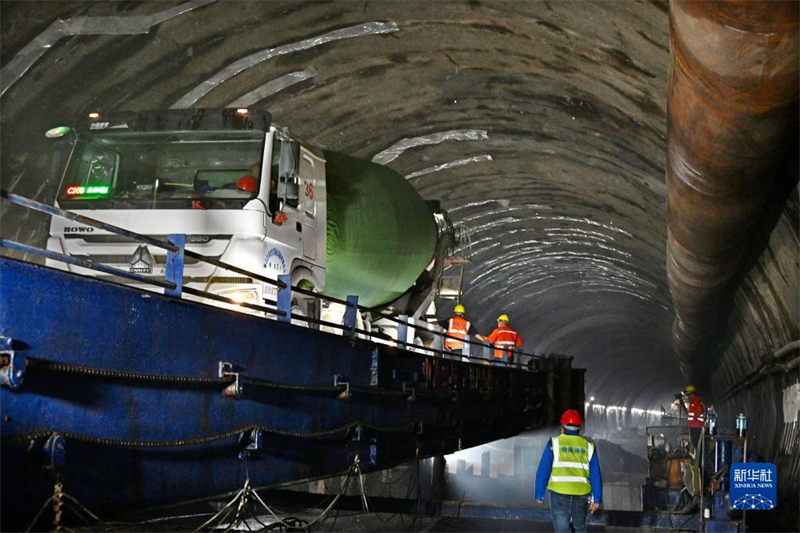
<point x="242" y="190"/>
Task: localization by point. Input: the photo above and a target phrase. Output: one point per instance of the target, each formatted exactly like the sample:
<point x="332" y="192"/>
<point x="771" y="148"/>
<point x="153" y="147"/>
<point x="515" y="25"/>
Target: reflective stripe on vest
<point x="570" y="472"/>
<point x="457" y="327"/>
<point x="696" y="416"/>
<point x="507" y="345"/>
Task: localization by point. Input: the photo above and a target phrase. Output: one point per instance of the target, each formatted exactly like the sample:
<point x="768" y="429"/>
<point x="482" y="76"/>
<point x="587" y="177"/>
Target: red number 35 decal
<point x="310" y="190"/>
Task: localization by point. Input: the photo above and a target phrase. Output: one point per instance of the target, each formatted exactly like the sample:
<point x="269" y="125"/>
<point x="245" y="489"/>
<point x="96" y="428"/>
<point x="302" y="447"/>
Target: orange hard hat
<point x="247" y="183"/>
<point x="571" y="417"/>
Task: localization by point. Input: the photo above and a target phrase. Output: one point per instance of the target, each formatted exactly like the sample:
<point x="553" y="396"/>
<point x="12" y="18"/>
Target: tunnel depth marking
<point x="451" y="164"/>
<point x="131" y="25"/>
<point x="359" y="30"/>
<point x="394" y="151"/>
<point x="274" y="86"/>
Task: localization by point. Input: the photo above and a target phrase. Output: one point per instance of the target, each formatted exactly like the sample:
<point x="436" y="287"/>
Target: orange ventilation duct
<point x="733" y="89"/>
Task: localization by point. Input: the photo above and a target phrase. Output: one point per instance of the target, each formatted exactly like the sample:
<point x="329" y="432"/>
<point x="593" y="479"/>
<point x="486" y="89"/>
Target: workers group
<point x="503" y="338"/>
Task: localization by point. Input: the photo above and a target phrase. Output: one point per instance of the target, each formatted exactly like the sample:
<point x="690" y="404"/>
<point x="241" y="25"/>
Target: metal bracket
<point x="251" y="442"/>
<point x="438" y="342"/>
<point x="402" y="331"/>
<point x="350" y="316"/>
<point x="234" y="390"/>
<point x="12" y="364"/>
<point x="285" y="298"/>
<point x="368" y="444"/>
<point x="466" y="348"/>
<point x="411" y="397"/>
<point x="345" y="394"/>
<point x="373" y="369"/>
<point x="55" y="451"/>
<point x="174" y="266"/>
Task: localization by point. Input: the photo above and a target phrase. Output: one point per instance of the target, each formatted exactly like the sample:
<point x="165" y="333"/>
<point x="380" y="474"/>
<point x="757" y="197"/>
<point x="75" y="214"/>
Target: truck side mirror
<point x="289" y="162"/>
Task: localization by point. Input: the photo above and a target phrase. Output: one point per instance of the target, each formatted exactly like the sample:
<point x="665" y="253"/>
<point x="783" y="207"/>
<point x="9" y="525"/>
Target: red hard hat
<point x="571" y="418"/>
<point x="247" y="184"/>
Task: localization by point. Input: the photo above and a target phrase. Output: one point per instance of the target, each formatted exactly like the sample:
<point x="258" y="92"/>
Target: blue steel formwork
<point x="129" y="382"/>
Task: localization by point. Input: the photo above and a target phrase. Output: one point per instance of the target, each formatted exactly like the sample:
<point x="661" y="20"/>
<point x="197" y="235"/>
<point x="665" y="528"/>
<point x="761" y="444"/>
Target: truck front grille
<point x="160" y="259"/>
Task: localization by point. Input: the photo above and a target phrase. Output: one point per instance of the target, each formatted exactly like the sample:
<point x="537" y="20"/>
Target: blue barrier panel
<point x="133" y="383"/>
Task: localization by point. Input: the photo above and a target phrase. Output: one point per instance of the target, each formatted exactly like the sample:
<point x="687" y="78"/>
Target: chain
<point x="380" y="392"/>
<point x="176" y="443"/>
<point x="65" y="368"/>
<point x="444" y="394"/>
<point x="286" y="386"/>
<point x="51" y="366"/>
<point x="136" y="376"/>
<point x="58" y="503"/>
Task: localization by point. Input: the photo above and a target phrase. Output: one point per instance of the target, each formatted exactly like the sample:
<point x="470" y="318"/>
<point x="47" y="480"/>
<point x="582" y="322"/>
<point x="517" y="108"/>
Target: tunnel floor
<point x="350" y="521"/>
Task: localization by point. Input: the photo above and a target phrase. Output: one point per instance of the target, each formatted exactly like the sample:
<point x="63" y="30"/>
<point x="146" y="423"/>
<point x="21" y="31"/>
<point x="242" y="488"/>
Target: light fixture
<point x="55" y="133"/>
<point x="94" y="115"/>
<point x="240" y="296"/>
<point x="242" y="111"/>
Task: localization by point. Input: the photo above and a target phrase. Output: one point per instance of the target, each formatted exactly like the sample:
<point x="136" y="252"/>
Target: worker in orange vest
<point x="460" y="327"/>
<point x="504" y="338"/>
<point x="696" y="414"/>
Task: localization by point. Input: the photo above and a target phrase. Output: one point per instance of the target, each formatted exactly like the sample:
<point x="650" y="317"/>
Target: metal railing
<point x="175" y="245"/>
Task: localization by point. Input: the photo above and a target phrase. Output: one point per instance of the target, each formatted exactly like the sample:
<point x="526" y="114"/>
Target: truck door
<point x="308" y="206"/>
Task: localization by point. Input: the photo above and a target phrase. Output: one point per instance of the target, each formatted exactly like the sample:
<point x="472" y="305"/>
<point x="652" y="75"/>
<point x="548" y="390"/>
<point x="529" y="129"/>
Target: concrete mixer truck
<point x="248" y="193"/>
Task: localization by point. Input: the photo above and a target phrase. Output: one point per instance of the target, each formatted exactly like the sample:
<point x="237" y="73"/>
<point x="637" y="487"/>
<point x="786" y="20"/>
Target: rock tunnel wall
<point x="565" y="187"/>
<point x="764" y="322"/>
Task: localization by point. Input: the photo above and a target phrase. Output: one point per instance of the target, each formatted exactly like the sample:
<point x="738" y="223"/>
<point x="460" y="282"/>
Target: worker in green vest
<point x="570" y="471"/>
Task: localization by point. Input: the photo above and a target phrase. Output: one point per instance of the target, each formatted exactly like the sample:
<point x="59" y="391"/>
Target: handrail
<point x="271" y="308"/>
<point x="51" y="210"/>
<point x="13" y="245"/>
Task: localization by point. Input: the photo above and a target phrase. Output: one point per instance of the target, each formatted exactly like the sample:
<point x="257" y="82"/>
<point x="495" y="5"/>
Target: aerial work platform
<point x="131" y="399"/>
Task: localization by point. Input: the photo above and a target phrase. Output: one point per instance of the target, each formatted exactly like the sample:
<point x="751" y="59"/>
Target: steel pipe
<point x="732" y="91"/>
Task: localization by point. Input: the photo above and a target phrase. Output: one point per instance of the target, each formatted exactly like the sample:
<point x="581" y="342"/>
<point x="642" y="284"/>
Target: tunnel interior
<point x="540" y="126"/>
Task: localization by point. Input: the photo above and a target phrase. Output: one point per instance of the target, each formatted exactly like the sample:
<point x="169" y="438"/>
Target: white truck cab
<point x="239" y="188"/>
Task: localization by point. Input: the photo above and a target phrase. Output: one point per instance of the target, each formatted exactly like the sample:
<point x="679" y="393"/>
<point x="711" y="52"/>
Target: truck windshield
<point x="163" y="170"/>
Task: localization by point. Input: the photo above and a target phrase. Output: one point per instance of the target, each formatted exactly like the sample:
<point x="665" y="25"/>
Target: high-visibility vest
<point x="505" y="339"/>
<point x="457" y="327"/>
<point x="570" y="473"/>
<point x="696" y="417"/>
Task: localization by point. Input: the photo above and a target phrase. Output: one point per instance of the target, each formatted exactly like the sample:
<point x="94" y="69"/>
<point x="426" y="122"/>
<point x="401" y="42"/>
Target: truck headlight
<point x="240" y="296"/>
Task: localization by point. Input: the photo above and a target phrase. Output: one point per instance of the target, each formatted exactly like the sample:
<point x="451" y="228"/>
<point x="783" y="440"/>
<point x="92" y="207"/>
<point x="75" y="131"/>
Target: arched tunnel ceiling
<point x="568" y="216"/>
